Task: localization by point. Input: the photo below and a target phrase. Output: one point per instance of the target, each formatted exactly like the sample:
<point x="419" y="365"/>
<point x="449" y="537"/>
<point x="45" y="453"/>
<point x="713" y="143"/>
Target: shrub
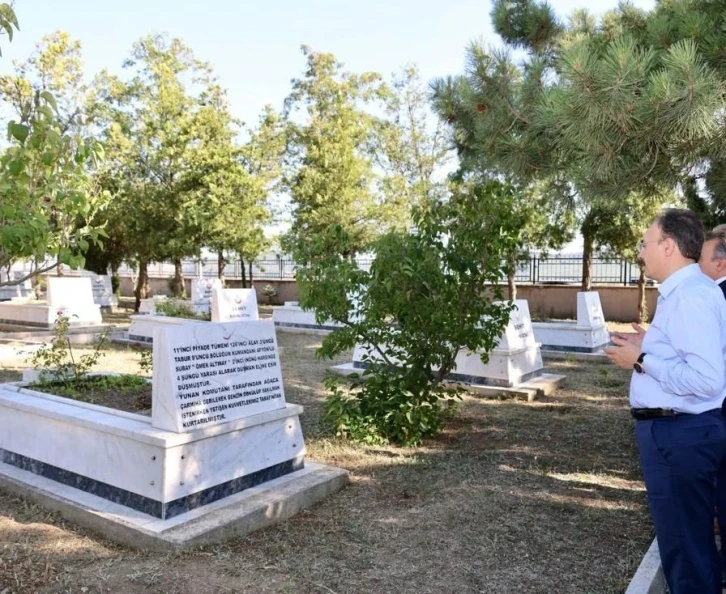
<point x="428" y="294"/>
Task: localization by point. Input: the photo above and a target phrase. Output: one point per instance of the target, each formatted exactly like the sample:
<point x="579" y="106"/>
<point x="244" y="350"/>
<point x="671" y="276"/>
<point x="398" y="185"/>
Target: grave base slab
<point x="240" y="514"/>
<point x="543" y="384"/>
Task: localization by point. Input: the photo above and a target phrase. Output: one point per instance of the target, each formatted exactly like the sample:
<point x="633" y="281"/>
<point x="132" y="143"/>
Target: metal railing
<point x="535" y="270"/>
<point x="568" y="269"/>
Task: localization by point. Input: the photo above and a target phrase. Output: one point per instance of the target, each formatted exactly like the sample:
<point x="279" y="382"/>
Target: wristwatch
<point x="638" y="365"/>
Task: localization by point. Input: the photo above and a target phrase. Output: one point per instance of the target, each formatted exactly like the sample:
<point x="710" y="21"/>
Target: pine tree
<point x="629" y="106"/>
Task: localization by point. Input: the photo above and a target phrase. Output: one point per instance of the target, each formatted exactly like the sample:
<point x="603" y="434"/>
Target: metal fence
<point x="535" y="270"/>
<point x="567" y="269"/>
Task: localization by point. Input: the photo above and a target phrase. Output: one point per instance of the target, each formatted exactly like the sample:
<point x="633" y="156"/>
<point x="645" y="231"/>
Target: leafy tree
<point x="45" y="189"/>
<point x="168" y="129"/>
<point x="409" y="148"/>
<point x="420" y="303"/>
<point x="239" y="188"/>
<point x="617" y="228"/>
<point x="330" y="174"/>
<point x="8" y="21"/>
<point x="46" y="194"/>
<point x="55" y="66"/>
<point x="543" y="222"/>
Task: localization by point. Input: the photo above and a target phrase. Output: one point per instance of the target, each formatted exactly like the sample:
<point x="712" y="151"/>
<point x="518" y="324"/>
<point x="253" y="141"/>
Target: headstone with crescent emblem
<point x="234" y="305"/>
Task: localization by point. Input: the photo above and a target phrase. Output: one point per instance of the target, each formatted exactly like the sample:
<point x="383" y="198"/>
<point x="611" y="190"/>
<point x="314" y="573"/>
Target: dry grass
<point x="512" y="497"/>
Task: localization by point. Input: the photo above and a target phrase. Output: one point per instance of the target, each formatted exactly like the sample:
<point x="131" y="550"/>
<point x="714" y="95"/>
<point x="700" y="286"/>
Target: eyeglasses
<point x="642" y="244"/>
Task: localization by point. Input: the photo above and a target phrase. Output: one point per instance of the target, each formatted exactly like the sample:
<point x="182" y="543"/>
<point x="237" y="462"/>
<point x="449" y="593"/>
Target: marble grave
<point x="103" y="294"/>
<point x="588" y="334"/>
<point x="292" y="318"/>
<point x="142" y="326"/>
<point x="201" y="297"/>
<point x="220" y="434"/>
<point x="66" y="295"/>
<point x="514" y="364"/>
<point x="23" y="290"/>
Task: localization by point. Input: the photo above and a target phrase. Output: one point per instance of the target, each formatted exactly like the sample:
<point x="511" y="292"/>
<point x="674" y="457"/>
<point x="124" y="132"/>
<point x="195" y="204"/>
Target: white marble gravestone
<point x="103" y="291"/>
<point x="142" y="326"/>
<point x="219" y="425"/>
<point x="148" y="305"/>
<point x="589" y="334"/>
<point x="202" y="293"/>
<point x="73" y="296"/>
<point x="515" y="360"/>
<point x="213" y="373"/>
<point x="70" y="291"/>
<point x="101" y="287"/>
<point x="234" y="305"/>
<point x="589" y="309"/>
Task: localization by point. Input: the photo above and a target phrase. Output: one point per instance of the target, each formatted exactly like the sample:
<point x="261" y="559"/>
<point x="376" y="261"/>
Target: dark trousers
<point x="681" y="457"/>
<point x="721" y="503"/>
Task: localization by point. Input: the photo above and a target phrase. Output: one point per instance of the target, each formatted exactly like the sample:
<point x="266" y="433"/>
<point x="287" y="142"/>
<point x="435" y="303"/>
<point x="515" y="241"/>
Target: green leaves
<point x="8" y="20"/>
<point x="421" y="301"/>
<point x="48" y="97"/>
<point x="18" y="131"/>
<point x="331" y="173"/>
<point x="16" y="166"/>
<point x="44" y="197"/>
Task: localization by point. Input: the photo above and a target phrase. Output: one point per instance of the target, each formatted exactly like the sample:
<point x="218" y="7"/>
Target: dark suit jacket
<point x="722" y="285"/>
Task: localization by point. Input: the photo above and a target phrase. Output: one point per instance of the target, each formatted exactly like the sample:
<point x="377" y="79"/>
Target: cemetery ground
<point x="511" y="497"/>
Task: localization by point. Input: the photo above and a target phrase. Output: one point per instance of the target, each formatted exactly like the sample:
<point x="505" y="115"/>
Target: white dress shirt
<point x="685" y="347"/>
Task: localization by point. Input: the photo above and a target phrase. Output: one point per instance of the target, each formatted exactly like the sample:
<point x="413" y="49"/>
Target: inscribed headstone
<point x="234" y="305"/>
<point x="589" y="309"/>
<point x="214" y="373"/>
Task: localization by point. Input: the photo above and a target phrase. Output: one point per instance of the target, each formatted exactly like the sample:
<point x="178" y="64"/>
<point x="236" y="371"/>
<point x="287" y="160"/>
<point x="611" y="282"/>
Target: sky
<point x="254" y="46"/>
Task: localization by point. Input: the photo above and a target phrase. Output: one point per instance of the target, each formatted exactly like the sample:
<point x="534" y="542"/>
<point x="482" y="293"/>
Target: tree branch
<point x="36" y="272"/>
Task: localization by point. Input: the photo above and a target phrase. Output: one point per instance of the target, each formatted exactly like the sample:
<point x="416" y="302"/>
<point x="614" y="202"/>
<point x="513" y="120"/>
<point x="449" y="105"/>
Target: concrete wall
<point x="619" y="304"/>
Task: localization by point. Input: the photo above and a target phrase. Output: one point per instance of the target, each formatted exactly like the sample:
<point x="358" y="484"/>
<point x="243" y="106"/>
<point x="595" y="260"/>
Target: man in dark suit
<point x="713" y="256"/>
<point x="713" y="264"/>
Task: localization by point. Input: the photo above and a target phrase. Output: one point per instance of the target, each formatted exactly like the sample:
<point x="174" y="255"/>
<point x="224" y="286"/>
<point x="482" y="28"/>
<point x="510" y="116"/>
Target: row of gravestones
<point x="218" y="383"/>
<point x="100" y="286"/>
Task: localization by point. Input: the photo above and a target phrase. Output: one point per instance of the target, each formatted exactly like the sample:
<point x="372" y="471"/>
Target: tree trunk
<point x="587" y="261"/>
<point x="251" y="283"/>
<point x="115" y="280"/>
<point x="177" y="286"/>
<point x="142" y="284"/>
<point x="244" y="276"/>
<point x="59" y="269"/>
<point x="38" y="283"/>
<point x="642" y="303"/>
<point x="221" y="263"/>
<point x="511" y="285"/>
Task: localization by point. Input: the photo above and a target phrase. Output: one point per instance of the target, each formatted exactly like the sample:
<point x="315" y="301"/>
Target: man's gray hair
<point x="718" y="233"/>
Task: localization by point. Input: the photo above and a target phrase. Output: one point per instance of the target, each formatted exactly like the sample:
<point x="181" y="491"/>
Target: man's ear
<point x="669" y="245"/>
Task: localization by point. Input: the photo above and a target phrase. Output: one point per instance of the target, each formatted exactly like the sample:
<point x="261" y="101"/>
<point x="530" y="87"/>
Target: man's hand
<point x="625" y="352"/>
<point x="636" y="339"/>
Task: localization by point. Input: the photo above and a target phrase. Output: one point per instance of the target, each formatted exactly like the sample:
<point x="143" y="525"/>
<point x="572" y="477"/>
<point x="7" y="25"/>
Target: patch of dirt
<point x="123" y="392"/>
